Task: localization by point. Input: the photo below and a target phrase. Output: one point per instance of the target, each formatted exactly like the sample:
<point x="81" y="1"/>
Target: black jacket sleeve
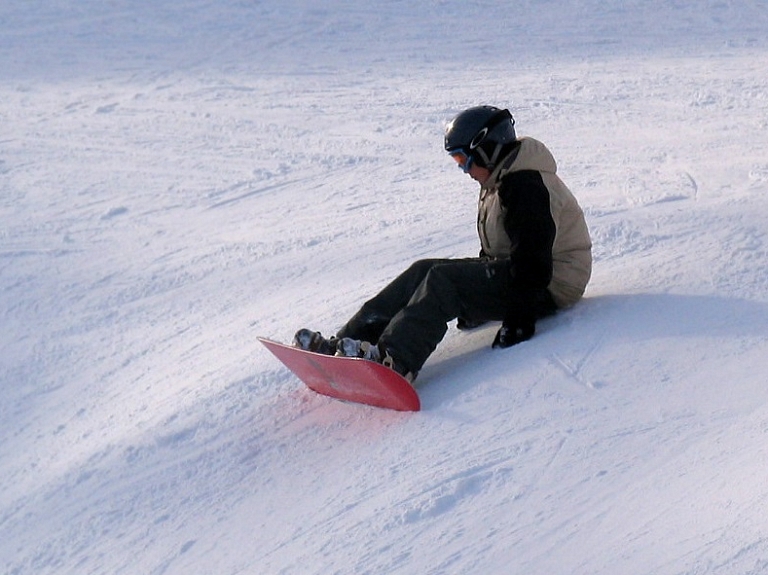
<point x="530" y="226"/>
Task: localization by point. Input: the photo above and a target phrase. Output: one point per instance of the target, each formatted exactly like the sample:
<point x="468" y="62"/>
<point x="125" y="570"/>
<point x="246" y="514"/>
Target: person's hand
<point x="514" y="332"/>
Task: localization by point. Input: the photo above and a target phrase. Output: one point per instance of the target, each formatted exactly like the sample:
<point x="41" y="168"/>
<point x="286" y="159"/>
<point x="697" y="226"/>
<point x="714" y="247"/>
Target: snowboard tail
<point x="347" y="378"/>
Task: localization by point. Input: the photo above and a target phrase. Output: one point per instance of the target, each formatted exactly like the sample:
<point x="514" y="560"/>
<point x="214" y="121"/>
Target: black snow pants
<point x="410" y="315"/>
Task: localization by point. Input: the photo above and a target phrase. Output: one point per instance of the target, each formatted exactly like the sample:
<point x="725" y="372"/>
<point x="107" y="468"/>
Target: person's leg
<point x="473" y="289"/>
<point x="373" y="317"/>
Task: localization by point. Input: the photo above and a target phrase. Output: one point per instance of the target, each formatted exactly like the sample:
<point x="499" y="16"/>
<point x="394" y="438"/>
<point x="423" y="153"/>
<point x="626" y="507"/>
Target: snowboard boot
<point x="314" y="341"/>
<point x="348" y="347"/>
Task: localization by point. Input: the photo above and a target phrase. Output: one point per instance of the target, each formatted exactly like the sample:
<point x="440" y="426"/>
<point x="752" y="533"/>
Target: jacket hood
<point x="531" y="155"/>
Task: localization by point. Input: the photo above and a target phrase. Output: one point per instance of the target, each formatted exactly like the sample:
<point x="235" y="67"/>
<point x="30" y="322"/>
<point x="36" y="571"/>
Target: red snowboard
<point x="348" y="378"/>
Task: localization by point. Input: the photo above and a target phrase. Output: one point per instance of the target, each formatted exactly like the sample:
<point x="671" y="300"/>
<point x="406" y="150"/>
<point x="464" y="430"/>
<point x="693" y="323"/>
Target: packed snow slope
<point x="179" y="177"/>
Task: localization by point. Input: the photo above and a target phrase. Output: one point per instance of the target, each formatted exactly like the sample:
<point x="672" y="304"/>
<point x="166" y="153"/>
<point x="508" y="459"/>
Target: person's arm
<point x="531" y="229"/>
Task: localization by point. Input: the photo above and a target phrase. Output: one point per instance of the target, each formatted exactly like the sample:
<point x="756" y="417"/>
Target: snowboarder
<point x="535" y="256"/>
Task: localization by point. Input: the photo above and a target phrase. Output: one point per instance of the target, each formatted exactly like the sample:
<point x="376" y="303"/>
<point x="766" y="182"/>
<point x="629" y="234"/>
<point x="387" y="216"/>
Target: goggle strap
<point x="480" y="152"/>
<point x="492" y="161"/>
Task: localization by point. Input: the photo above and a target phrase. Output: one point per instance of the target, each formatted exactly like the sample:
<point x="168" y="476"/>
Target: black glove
<point x="515" y="331"/>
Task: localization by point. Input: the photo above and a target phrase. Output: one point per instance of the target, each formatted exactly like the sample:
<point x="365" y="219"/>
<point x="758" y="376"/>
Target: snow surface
<point x="179" y="177"/>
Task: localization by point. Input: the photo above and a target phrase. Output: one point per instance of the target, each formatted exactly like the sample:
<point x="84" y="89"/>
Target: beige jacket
<point x="572" y="247"/>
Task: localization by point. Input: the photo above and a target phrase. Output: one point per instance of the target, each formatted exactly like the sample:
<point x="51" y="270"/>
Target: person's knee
<point x="420" y="268"/>
<point x="424" y="264"/>
<point x="440" y="286"/>
<point x="444" y="274"/>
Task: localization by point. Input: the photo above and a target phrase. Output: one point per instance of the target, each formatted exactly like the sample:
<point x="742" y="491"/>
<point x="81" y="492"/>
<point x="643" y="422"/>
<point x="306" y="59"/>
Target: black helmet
<point x="479" y="134"/>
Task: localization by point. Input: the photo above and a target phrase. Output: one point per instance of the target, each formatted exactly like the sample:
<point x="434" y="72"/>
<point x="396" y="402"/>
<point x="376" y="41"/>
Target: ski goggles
<point x="462" y="158"/>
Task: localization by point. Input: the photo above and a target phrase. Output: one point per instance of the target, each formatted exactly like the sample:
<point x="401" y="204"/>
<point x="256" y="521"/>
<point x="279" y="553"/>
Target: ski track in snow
<point x="177" y="178"/>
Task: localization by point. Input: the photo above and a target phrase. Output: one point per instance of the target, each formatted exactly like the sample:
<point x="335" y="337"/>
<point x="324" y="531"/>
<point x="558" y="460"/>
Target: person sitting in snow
<point x="536" y="256"/>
